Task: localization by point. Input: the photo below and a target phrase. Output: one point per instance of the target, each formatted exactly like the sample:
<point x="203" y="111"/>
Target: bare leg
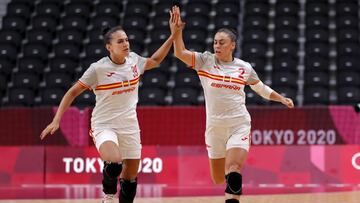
<point x="235" y="159"/>
<point x="130" y="169"/>
<point x="128" y="181"/>
<point x="217" y="170"/>
<point x="110" y="153"/>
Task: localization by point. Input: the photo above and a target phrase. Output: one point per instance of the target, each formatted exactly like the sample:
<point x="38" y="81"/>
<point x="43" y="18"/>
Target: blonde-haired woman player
<point x="223" y="79"/>
<point x="115" y="80"/>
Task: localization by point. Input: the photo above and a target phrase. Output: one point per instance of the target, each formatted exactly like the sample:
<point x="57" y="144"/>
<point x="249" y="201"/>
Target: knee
<point x="114" y="158"/>
<point x="112" y="170"/>
<point x="234" y="167"/>
<point x="110" y="152"/>
<point x="234" y="183"/>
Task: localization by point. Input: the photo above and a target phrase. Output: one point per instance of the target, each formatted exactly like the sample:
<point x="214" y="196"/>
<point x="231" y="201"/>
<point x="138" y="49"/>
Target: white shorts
<point x="129" y="144"/>
<point x="219" y="139"/>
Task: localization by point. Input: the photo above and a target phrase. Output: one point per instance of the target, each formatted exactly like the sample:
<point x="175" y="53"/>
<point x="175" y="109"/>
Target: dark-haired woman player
<point x="223" y="79"/>
<point x="114" y="126"/>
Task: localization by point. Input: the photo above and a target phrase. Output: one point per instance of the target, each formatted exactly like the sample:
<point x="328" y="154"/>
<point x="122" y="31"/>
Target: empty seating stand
<point x="46" y="45"/>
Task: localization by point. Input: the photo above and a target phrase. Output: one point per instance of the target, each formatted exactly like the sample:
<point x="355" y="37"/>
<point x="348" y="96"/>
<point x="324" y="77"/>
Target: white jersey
<point x="116" y="89"/>
<point x="223" y="85"/>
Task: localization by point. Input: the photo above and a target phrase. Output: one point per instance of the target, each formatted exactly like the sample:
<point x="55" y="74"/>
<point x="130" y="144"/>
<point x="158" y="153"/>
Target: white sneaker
<point x="108" y="198"/>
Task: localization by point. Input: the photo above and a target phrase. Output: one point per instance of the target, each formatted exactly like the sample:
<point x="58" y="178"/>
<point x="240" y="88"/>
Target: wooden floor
<point x="336" y="197"/>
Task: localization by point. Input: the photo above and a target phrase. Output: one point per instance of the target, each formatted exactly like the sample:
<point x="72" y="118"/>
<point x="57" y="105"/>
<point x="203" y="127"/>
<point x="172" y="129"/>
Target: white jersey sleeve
<point x="89" y="78"/>
<point x="140" y="61"/>
<point x="201" y="59"/>
<point x="253" y="77"/>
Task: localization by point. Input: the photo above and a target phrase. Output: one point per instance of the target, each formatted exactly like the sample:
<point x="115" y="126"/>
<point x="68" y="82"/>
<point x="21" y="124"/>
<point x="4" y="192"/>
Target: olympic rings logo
<point x="353" y="161"/>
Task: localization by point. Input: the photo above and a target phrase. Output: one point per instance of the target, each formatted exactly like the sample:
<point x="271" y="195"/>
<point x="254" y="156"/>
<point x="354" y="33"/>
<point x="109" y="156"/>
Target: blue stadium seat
<point x="348" y="95"/>
<point x="6" y="66"/>
<point x="68" y="50"/>
<point x="86" y="99"/>
<point x="51" y="96"/>
<point x="21" y="97"/>
<point x="348" y="63"/>
<point x="316" y="96"/>
<point x="78" y="9"/>
<point x="15" y="23"/>
<point x="70" y="37"/>
<point x="26" y="80"/>
<point x="255" y="35"/>
<point x="348" y="78"/>
<point x="58" y="80"/>
<point x="8" y="51"/>
<point x="317" y="78"/>
<point x="184" y="96"/>
<point x="36" y="50"/>
<point x="257" y="8"/>
<point x="63" y="65"/>
<point x="154" y="78"/>
<point x="347" y="8"/>
<point x="44" y="22"/>
<point x="40" y="36"/>
<point x="284" y="78"/>
<point x="316" y="63"/>
<point x="287" y="22"/>
<point x="10" y="37"/>
<point x="348" y="35"/>
<point x="51" y="9"/>
<point x="286" y="63"/>
<point x="108" y="9"/>
<point x="317" y="8"/>
<point x="95" y="50"/>
<point x="151" y="96"/>
<point x="19" y="9"/>
<point x="31" y="65"/>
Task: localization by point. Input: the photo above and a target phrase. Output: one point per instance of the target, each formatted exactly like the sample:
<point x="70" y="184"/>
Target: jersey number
<point x="242" y="72"/>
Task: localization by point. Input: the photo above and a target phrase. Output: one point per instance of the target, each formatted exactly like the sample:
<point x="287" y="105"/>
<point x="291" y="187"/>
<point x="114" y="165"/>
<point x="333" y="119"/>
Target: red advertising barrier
<point x="184" y="165"/>
<point x="68" y="172"/>
<point x="21" y="165"/>
<point x="328" y="125"/>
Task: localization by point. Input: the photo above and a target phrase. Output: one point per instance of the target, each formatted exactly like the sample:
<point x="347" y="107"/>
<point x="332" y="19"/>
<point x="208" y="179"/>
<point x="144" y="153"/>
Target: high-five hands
<point x="175" y="21"/>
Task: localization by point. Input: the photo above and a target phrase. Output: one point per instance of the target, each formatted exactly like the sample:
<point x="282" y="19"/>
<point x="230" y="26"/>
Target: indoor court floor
<point x="154" y="193"/>
<point x="330" y="197"/>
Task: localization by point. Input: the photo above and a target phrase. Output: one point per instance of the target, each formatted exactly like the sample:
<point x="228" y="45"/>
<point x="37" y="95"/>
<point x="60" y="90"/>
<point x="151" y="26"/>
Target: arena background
<point x="305" y="49"/>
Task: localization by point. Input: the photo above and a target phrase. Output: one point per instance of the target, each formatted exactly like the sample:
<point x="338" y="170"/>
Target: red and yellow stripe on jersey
<point x="221" y="78"/>
<point x="82" y="84"/>
<point x="118" y="84"/>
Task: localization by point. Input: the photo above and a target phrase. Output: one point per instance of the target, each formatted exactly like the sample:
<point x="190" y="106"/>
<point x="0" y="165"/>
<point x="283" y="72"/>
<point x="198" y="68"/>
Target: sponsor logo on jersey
<point x="110" y="74"/>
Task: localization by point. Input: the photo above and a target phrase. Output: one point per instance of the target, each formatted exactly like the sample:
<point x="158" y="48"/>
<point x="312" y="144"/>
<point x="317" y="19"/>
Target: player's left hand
<point x="288" y="102"/>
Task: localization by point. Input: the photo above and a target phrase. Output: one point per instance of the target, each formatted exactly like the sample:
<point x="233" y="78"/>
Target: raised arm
<point x="66" y="101"/>
<point x="179" y="47"/>
<point x="160" y="54"/>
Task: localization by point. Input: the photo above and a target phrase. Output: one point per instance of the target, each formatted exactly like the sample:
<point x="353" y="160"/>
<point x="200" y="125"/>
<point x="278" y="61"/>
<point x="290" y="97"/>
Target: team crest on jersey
<point x="135" y="71"/>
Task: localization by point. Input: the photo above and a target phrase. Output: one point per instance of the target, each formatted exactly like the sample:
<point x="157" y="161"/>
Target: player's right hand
<point x="179" y="23"/>
<point x="51" y="128"/>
